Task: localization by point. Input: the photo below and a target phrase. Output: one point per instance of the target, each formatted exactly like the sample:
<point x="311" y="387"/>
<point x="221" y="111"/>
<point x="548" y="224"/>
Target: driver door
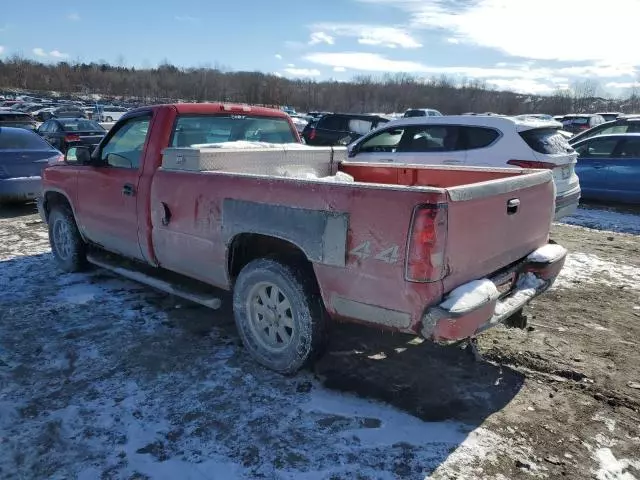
<point x="107" y="190"/>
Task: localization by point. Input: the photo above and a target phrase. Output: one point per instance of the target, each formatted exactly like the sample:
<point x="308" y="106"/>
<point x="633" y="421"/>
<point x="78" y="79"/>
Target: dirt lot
<point x="103" y="378"/>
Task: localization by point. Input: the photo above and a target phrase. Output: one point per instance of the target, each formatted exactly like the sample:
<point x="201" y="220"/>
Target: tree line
<point x="386" y="93"/>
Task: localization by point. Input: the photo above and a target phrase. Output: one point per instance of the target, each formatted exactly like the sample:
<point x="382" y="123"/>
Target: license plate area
<point x="505" y="282"/>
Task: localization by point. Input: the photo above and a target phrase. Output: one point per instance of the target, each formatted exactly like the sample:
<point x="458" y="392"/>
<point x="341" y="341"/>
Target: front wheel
<point x="279" y="315"/>
<point x="67" y="245"/>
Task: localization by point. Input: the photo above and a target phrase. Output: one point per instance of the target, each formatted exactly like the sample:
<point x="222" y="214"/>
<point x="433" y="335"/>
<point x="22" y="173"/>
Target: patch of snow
<point x="612" y="469"/>
<point x="610" y="423"/>
<point x="244" y="144"/>
<point x="607" y="220"/>
<point x="339" y="177"/>
<point x="547" y="253"/>
<point x="470" y="295"/>
<point x="591" y="269"/>
<point x="78" y="294"/>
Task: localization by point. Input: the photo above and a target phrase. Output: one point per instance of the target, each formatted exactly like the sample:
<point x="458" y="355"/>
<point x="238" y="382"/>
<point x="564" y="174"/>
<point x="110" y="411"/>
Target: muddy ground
<point x="85" y="359"/>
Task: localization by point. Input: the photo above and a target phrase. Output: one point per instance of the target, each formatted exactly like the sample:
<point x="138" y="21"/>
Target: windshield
<point x="78" y="125"/>
<point x="415" y="113"/>
<point x="198" y="129"/>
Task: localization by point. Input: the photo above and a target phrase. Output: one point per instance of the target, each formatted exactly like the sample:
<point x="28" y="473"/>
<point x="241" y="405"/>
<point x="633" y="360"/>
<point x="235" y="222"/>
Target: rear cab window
<point x="203" y="129"/>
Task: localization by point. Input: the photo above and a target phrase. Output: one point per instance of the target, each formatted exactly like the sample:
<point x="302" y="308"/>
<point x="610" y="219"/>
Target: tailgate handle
<point x="512" y="206"/>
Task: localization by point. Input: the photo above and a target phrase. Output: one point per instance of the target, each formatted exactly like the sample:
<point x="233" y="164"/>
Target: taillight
<point x="427" y="240"/>
<point x="312" y="134"/>
<point x="532" y="164"/>
<point x="72" y="138"/>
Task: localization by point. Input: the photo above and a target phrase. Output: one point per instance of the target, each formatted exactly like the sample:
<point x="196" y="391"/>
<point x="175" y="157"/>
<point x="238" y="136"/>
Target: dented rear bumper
<point x="481" y="304"/>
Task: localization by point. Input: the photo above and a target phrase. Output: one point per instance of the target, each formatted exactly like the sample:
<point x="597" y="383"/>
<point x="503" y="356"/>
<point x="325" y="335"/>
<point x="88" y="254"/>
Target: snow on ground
<point x="102" y="378"/>
<point x="587" y="268"/>
<point x="605" y="219"/>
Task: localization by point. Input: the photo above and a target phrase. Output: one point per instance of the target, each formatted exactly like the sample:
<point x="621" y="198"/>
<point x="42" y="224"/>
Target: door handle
<point x="128" y="190"/>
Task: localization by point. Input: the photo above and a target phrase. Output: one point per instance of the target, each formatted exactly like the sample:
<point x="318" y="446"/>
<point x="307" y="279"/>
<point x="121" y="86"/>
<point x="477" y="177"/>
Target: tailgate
<point x="493" y="224"/>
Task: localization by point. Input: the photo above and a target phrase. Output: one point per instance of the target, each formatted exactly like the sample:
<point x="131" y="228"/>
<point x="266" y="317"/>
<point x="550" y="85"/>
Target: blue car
<point x="23" y="155"/>
<point x="609" y="168"/>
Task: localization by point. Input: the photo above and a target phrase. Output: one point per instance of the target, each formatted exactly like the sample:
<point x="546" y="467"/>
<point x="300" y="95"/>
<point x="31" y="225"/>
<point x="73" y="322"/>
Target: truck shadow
<point x="428" y="381"/>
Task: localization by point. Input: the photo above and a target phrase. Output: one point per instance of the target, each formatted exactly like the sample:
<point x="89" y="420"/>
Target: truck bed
<point x="354" y="233"/>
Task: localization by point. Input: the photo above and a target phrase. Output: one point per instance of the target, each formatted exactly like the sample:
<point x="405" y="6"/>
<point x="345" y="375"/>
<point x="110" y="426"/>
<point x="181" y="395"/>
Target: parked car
<point x="609" y="167"/>
<point x="578" y="123"/>
<point x="65" y="132"/>
<point x="107" y="113"/>
<point x="66" y="111"/>
<point x="419" y="250"/>
<point x="340" y="128"/>
<point x="23" y="155"/>
<point x="17" y="119"/>
<point x="493" y="141"/>
<point x="620" y="125"/>
<point x="609" y="116"/>
<point x="421" y="112"/>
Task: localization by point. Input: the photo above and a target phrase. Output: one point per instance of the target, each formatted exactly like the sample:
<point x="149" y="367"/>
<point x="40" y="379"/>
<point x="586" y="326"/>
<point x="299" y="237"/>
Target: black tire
<point x="71" y="252"/>
<point x="306" y="315"/>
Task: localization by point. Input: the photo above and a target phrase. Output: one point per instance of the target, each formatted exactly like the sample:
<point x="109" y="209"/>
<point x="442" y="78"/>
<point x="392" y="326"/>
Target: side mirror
<point x="81" y="155"/>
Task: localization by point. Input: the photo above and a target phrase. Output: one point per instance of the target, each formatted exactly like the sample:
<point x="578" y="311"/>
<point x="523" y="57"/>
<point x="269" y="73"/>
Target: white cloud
<point x="39" y="52"/>
<point x="290" y="65"/>
<point x="74" y="17"/>
<point x="339" y="69"/>
<point x="453" y="40"/>
<point x="530" y="28"/>
<point x="623" y="85"/>
<point x="303" y="72"/>
<point x="1" y="49"/>
<point x="277" y="74"/>
<point x="376" y="35"/>
<point x="186" y="19"/>
<point x="278" y="56"/>
<point x="58" y="54"/>
<point x="321" y="37"/>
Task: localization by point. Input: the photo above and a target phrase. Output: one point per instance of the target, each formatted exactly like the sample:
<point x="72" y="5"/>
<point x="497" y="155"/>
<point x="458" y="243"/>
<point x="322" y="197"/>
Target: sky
<point x="529" y="46"/>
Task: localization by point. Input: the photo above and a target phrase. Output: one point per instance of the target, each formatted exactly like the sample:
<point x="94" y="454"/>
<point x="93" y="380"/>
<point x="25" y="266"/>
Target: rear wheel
<point x="279" y="315"/>
<point x="67" y="245"/>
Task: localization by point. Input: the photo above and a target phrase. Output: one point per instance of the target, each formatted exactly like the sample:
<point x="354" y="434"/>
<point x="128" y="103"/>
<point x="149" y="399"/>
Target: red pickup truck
<point x="298" y="235"/>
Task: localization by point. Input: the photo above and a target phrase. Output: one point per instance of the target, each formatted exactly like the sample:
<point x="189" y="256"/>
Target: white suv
<point x="491" y="141"/>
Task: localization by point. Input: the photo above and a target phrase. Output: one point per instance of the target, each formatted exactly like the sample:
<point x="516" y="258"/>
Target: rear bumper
<point x="20" y="189"/>
<point x="479" y="305"/>
<point x="567" y="203"/>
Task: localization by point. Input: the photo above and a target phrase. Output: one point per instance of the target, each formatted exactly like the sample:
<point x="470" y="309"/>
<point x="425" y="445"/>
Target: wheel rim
<point x="270" y="317"/>
<point x="62" y="239"/>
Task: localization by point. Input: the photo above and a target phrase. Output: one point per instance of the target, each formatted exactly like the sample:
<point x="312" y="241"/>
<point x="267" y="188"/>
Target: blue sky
<point x="532" y="46"/>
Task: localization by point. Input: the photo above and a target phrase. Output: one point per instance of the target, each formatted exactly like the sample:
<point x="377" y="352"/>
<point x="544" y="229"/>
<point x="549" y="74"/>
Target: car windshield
<point x="576" y="121"/>
<point x="78" y="125"/>
<point x="21" y="140"/>
<point x="200" y="129"/>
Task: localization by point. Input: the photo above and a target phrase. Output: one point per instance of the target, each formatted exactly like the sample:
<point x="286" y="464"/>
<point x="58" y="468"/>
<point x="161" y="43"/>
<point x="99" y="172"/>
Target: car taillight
<point x="312" y="134"/>
<point x="427" y="239"/>
<point x="72" y="138"/>
<point x="532" y="164"/>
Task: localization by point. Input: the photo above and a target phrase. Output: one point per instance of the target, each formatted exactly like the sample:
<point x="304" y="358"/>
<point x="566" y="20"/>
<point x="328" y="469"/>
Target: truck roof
<point x="218" y="107"/>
